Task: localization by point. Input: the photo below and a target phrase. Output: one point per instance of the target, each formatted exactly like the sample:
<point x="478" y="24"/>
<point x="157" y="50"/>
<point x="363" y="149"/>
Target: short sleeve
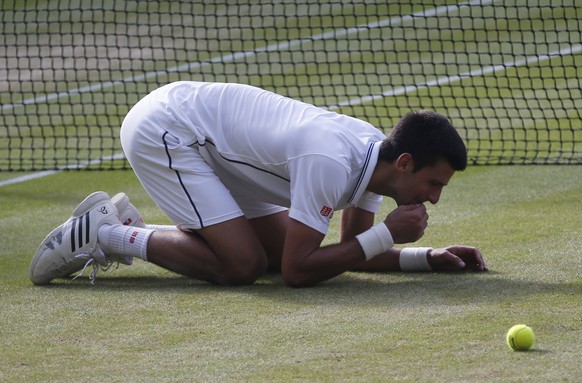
<point x="370" y="202"/>
<point x="317" y="185"/>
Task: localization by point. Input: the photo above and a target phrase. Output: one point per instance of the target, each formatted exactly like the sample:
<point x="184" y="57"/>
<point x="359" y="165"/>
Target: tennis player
<point x="251" y="179"/>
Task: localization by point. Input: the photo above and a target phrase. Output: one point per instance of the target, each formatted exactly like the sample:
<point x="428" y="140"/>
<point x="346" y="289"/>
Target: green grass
<point x="141" y="323"/>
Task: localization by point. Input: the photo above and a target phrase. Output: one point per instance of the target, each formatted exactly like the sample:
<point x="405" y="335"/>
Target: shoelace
<point x="98" y="261"/>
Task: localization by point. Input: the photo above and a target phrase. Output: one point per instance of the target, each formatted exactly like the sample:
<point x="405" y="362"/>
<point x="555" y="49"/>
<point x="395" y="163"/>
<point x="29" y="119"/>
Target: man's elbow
<point x="297" y="279"/>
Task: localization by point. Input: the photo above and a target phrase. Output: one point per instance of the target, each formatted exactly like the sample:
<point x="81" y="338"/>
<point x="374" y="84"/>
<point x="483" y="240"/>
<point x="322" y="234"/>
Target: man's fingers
<point x="471" y="255"/>
<point x="407" y="223"/>
<point x="454" y="260"/>
<point x="457" y="258"/>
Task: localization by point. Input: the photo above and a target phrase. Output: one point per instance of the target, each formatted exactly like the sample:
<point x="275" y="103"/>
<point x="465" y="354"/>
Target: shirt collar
<point x="367" y="170"/>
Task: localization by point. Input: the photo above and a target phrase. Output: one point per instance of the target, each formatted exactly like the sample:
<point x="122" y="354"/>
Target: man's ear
<point x="404" y="162"/>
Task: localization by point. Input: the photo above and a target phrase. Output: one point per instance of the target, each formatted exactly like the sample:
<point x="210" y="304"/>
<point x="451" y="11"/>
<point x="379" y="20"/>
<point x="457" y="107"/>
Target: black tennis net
<point x="507" y="73"/>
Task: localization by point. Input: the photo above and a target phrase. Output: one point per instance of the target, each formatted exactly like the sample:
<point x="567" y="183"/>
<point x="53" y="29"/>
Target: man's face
<point x="424" y="185"/>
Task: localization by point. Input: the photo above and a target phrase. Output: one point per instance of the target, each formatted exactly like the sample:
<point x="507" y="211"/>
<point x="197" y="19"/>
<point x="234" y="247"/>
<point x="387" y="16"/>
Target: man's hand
<point x="454" y="258"/>
<point x="407" y="223"/>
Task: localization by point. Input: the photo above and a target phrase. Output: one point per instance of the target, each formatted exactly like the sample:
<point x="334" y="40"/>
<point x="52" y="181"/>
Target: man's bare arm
<point x="305" y="263"/>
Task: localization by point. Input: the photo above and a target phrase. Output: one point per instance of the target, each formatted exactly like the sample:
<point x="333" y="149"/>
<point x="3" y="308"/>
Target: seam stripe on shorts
<point x="245" y="163"/>
<point x="180" y="180"/>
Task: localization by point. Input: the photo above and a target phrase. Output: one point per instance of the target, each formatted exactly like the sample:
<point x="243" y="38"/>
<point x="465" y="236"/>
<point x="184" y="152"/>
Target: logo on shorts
<point x="325" y="211"/>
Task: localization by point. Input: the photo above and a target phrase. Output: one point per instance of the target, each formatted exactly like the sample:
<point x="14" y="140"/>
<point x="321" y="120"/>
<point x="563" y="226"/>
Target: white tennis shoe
<point x="128" y="213"/>
<point x="73" y="245"/>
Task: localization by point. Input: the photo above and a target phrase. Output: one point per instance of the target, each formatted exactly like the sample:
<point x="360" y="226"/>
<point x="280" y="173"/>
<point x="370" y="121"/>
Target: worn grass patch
<point x="141" y="323"/>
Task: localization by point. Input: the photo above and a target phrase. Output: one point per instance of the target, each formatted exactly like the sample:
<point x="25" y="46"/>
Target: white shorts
<point x="176" y="176"/>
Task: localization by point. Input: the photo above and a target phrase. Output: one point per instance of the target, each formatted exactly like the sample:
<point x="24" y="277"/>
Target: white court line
<point x="459" y="77"/>
<point x="28" y="177"/>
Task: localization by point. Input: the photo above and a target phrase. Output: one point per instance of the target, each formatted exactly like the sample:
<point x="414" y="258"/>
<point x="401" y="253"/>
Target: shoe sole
<point x="61" y="272"/>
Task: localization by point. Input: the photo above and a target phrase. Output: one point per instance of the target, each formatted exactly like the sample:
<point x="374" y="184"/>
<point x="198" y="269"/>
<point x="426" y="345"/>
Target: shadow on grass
<point x="350" y="288"/>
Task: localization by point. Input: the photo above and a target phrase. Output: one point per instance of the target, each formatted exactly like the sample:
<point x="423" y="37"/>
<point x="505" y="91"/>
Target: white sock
<point x="123" y="240"/>
<point x="162" y="227"/>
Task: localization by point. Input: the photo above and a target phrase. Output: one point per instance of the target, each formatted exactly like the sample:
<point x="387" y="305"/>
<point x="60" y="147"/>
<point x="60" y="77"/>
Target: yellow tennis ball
<point x="520" y="337"/>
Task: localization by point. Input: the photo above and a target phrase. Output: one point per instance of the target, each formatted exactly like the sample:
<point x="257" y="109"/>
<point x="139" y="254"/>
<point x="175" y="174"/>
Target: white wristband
<point x="375" y="240"/>
<point x="415" y="259"/>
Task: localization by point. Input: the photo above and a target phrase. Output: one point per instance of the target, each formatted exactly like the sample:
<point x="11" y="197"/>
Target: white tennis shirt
<point x="275" y="149"/>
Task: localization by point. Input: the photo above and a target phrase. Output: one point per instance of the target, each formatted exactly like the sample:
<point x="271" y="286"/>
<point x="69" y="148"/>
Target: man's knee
<point x="240" y="254"/>
<point x="244" y="270"/>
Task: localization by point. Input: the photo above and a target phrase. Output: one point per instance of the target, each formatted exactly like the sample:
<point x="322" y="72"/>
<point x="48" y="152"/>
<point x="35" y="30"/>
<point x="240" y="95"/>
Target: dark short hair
<point x="427" y="136"/>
